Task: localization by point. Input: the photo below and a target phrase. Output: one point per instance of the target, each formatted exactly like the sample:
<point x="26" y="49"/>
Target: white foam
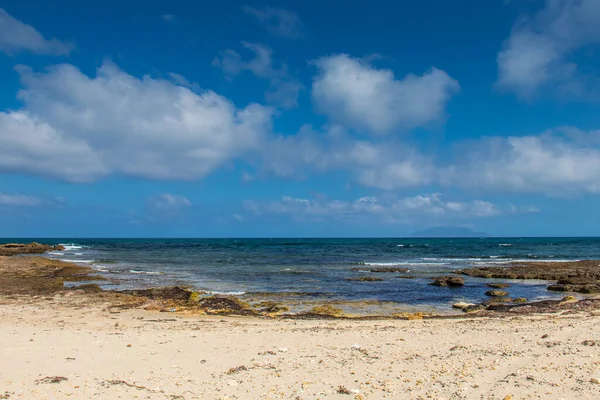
<point x="71" y="246"/>
<point x="77" y="261"/>
<point x="56" y="253"/>
<point x="400" y="245"/>
<point x="411" y="263"/>
<point x="135" y="271"/>
<point x="505" y="244"/>
<point x="228" y="293"/>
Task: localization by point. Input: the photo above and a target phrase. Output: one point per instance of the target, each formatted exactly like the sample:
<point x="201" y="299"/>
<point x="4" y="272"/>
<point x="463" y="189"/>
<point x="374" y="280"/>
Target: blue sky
<point x="254" y="119"/>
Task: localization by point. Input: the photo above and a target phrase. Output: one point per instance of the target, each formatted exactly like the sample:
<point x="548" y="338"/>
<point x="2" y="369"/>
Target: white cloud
<point x="277" y="21"/>
<point x="19" y="200"/>
<point x="78" y="128"/>
<point x="562" y="162"/>
<point x="353" y="93"/>
<point x="16" y="36"/>
<point x="169" y="204"/>
<point x="536" y="55"/>
<point x="387" y="165"/>
<point x="283" y="89"/>
<point x="392" y="209"/>
<point x="168" y="17"/>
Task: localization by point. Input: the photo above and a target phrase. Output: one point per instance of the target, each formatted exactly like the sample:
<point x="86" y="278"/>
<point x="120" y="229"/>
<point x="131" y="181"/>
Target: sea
<point x="311" y="271"/>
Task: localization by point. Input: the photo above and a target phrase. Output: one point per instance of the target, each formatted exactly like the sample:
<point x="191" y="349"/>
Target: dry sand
<point x="140" y="354"/>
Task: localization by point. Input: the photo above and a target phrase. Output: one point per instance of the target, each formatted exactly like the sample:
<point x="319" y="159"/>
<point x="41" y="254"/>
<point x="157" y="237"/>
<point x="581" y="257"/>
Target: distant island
<point x="449" y="231"/>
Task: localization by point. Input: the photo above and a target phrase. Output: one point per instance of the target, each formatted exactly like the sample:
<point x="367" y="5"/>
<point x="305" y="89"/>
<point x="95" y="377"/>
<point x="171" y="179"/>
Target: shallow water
<point x="316" y="270"/>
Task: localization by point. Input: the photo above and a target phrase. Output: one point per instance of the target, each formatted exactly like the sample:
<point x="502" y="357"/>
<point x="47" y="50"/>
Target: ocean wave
<point x="136" y="271"/>
<point x="72" y="246"/>
<point x="70" y="260"/>
<point x="56" y="253"/>
<point x="403" y="263"/>
<point x="505" y="244"/>
<point x="228" y="293"/>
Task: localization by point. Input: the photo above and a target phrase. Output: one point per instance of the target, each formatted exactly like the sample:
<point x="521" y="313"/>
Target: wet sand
<point x="83" y="343"/>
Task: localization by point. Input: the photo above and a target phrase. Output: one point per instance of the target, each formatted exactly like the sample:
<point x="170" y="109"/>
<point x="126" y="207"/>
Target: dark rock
<point x="496" y="293"/>
<point x="520" y="300"/>
<point x="405" y="277"/>
<point x="591" y="288"/>
<point x="498" y="285"/>
<point x="496" y="300"/>
<point x="452" y="281"/>
<point x="166" y="293"/>
<point x="224" y="305"/>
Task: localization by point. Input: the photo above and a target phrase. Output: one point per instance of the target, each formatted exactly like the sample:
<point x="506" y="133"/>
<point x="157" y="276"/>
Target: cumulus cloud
<point x="387" y="165"/>
<point x="538" y="50"/>
<point x="283" y="89"/>
<point x="561" y="162"/>
<point x="392" y="209"/>
<point x="19" y="200"/>
<point x="355" y="94"/>
<point x="278" y="21"/>
<point x="81" y="128"/>
<point x="16" y="36"/>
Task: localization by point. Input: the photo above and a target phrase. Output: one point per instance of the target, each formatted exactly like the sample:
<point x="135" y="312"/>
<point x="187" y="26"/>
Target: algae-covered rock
<point x="224" y="305"/>
<point x="365" y="279"/>
<point x="461" y="305"/>
<point x="166" y="293"/>
<point x="11" y="249"/>
<point x="520" y="300"/>
<point x="452" y="281"/>
<point x="496" y="293"/>
<point x="326" y="310"/>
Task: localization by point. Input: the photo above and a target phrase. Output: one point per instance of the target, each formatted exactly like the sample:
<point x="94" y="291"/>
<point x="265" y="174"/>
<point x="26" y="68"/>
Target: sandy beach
<point x="95" y="353"/>
<point x="60" y="343"/>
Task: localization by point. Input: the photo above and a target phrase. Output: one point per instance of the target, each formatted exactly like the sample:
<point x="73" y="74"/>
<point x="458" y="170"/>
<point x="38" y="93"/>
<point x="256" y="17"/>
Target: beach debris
<point x="355" y="346"/>
<point x="496" y="293"/>
<point x="235" y="370"/>
<point x="498" y="285"/>
<point x="270" y="307"/>
<point x="414" y="316"/>
<point x="365" y="279"/>
<point x="51" y="379"/>
<point x="342" y="390"/>
<point x="6" y="395"/>
<point x="595" y="381"/>
<point x="124" y="383"/>
<point x="283" y="350"/>
<point x="451" y="281"/>
<point x="590" y="343"/>
<point x="545" y="336"/>
<point x="461" y="305"/>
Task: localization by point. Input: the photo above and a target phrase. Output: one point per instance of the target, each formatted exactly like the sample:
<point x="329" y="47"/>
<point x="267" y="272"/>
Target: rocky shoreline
<point x="36" y="276"/>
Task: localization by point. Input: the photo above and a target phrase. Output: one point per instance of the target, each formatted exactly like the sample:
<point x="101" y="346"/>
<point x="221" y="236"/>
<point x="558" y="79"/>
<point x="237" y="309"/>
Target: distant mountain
<point x="449" y="231"/>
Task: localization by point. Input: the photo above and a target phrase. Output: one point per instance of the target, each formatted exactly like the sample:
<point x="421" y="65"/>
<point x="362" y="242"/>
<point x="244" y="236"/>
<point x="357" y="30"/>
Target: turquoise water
<point x="317" y="269"/>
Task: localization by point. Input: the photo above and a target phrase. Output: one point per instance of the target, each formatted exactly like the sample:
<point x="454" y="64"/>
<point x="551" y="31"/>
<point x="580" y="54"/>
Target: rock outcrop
<point x="451" y="281"/>
<point x="12" y="249"/>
